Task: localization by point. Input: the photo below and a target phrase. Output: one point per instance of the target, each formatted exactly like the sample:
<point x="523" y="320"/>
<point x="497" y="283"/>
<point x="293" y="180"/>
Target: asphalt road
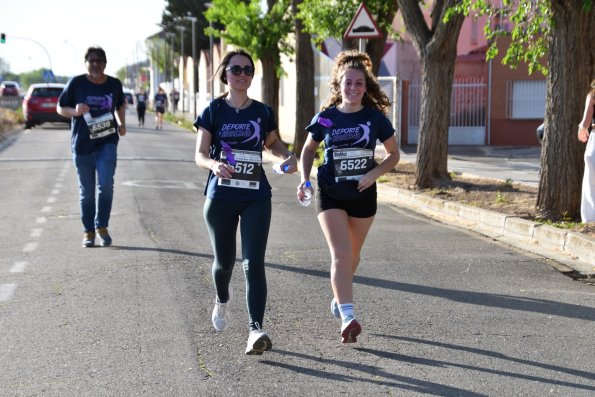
<point x="445" y="312"/>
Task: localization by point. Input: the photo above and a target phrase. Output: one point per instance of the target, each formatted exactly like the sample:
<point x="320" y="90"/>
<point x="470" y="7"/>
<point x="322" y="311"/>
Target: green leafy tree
<point x="262" y="33"/>
<point x="561" y="32"/>
<point x="37" y="76"/>
<point x="435" y="41"/>
<point x="325" y="19"/>
<point x="304" y="59"/>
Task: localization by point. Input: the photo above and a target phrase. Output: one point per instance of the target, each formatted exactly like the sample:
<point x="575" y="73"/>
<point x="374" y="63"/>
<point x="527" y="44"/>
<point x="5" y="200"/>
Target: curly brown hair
<point x="358" y="60"/>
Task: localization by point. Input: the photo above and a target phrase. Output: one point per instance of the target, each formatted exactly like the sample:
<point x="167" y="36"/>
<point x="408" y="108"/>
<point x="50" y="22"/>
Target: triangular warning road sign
<point x="363" y="25"/>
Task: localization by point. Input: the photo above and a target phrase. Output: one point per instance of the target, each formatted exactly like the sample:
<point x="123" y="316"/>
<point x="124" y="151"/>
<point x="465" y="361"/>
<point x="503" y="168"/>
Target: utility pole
<point x="211" y="55"/>
<point x="182" y="96"/>
<point x="171" y="35"/>
<point x="194" y="75"/>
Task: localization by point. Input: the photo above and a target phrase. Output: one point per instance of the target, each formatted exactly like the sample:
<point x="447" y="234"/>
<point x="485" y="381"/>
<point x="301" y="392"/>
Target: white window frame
<point x="526" y="99"/>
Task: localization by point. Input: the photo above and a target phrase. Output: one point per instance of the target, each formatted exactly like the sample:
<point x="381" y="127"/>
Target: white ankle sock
<point x="346" y="310"/>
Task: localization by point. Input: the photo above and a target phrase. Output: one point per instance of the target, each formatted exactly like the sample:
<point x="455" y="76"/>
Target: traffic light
<point x="2" y="38"/>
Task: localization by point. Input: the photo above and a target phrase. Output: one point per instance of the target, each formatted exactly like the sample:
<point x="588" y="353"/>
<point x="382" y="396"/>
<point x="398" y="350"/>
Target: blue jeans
<point x="102" y="163"/>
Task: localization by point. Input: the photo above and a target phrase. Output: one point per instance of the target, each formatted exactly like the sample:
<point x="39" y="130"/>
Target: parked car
<point x="39" y="104"/>
<point x="9" y="88"/>
<point x="539" y="133"/>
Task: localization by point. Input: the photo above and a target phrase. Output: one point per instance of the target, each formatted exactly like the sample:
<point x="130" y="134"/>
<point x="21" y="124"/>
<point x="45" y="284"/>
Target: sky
<point x="66" y="28"/>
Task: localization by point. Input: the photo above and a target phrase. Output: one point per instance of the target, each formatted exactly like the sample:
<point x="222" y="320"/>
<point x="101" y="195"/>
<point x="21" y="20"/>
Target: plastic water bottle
<point x="308" y="193"/>
<point x="280" y="170"/>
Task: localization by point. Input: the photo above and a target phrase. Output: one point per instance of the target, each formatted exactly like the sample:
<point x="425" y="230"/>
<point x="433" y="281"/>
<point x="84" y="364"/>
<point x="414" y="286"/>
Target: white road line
<point x="58" y="186"/>
<point x="41" y="219"/>
<point x="18" y="267"/>
<point x="47" y="208"/>
<point x="7" y="291"/>
<point x="30" y="247"/>
<point x="36" y="232"/>
<point x="55" y="192"/>
<point x="51" y="200"/>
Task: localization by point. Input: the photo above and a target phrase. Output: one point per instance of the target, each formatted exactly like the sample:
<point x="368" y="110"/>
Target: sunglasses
<point x="95" y="60"/>
<point x="237" y="70"/>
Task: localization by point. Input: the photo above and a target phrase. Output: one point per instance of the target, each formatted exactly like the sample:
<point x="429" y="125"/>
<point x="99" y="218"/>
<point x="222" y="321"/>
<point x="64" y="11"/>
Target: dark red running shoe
<point x="350" y="331"/>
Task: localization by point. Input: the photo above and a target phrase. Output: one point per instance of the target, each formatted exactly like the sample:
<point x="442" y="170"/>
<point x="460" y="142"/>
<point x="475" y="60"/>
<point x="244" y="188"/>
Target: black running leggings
<point x="254" y="217"/>
<point x="140" y="110"/>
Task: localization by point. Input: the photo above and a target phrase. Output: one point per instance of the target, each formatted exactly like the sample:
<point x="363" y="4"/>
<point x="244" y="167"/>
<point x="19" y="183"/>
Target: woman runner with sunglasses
<point x="232" y="132"/>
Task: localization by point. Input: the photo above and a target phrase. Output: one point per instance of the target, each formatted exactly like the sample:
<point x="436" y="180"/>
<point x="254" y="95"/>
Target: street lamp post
<point x="211" y="53"/>
<point x="182" y="29"/>
<point x="194" y="76"/>
<point x="211" y="65"/>
<point x="75" y="64"/>
<point x="51" y="72"/>
<point x="171" y="35"/>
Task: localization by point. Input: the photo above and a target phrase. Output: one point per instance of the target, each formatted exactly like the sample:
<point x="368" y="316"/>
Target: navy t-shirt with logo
<point x="345" y="132"/>
<point x="103" y="100"/>
<point x="244" y="133"/>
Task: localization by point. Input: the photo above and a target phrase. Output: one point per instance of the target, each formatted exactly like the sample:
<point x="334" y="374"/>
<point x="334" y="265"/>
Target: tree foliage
<point x="245" y="24"/>
<point x="330" y="18"/>
<point x="531" y="24"/>
<point x="263" y="33"/>
<point x="325" y="19"/>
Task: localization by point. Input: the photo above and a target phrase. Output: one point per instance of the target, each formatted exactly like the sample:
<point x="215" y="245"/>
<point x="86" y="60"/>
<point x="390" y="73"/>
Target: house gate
<point x="467" y="113"/>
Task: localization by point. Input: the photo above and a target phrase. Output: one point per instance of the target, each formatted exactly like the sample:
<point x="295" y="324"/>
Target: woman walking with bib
<point x="232" y="132"/>
<point x="350" y="123"/>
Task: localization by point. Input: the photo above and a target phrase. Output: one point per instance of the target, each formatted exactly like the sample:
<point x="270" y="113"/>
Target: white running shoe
<point x="221" y="314"/>
<point x="258" y="342"/>
<point x="350" y="330"/>
<point x="220" y="317"/>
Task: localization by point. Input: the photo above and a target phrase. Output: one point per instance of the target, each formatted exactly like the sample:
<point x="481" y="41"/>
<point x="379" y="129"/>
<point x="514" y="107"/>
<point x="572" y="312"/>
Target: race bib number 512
<point x="246" y="170"/>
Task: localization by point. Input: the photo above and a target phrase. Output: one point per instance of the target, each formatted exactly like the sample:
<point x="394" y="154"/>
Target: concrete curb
<point x="8" y="137"/>
<point x="571" y="249"/>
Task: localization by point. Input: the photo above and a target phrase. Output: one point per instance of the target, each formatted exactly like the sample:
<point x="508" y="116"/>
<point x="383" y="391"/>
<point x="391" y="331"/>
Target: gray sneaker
<point x="258" y="342"/>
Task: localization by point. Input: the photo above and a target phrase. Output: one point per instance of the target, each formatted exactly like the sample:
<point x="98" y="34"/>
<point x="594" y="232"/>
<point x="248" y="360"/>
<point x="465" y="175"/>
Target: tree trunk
<point x="304" y="59"/>
<point x="571" y="66"/>
<point x="437" y="50"/>
<point x="270" y="85"/>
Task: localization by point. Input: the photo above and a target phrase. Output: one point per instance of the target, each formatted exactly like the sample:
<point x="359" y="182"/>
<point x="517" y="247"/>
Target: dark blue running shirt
<point x="102" y="99"/>
<point x="344" y="131"/>
<point x="244" y="130"/>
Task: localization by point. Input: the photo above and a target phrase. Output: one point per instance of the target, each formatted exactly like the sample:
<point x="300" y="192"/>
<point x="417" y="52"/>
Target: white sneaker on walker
<point x="221" y="314"/>
<point x="258" y="342"/>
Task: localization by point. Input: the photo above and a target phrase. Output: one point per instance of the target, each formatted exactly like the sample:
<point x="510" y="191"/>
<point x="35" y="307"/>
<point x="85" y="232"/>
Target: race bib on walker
<point x="247" y="170"/>
<point x="352" y="163"/>
<point x="101" y="126"/>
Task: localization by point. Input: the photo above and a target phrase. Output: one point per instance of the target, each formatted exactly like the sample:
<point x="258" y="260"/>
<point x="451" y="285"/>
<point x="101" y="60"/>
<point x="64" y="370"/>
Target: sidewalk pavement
<point x="572" y="253"/>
